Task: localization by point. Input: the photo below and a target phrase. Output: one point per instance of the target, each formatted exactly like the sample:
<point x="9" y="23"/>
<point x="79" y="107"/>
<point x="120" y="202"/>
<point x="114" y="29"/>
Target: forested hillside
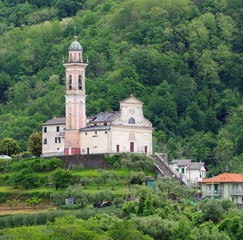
<point x="182" y="58"/>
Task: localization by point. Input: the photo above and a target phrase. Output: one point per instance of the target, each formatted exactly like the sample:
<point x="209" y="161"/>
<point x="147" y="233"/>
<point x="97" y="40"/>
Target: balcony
<point x="210" y="193"/>
<point x="236" y="192"/>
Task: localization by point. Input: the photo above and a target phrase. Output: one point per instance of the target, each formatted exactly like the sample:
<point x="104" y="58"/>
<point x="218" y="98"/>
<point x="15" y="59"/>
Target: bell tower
<point x="75" y="98"/>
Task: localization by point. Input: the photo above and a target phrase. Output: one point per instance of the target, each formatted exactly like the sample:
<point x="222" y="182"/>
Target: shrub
<point x="114" y="160"/>
<point x="71" y="206"/>
<point x="78" y="167"/>
<point x="3" y="196"/>
<point x="212" y="210"/>
<point x="40" y="218"/>
<point x="137" y="178"/>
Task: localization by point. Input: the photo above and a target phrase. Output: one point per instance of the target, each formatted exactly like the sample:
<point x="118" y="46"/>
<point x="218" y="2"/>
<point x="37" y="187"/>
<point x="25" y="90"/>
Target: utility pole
<point x="212" y="188"/>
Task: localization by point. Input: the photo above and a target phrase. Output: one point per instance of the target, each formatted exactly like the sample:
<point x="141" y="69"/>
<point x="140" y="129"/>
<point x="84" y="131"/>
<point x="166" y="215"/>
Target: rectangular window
<point x="45" y="130"/>
<point x="182" y="170"/>
<point x="58" y="128"/>
<point x="117" y="148"/>
<point x="45" y="141"/>
<point x="57" y="140"/>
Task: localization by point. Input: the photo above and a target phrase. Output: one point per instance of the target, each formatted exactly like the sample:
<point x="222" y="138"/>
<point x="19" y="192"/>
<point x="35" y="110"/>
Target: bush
<point x="4" y="196"/>
<point x="212" y="210"/>
<point x="78" y="167"/>
<point x="40" y="218"/>
<point x="37" y="164"/>
<point x="138" y="178"/>
<point x="114" y="160"/>
<point x="71" y="206"/>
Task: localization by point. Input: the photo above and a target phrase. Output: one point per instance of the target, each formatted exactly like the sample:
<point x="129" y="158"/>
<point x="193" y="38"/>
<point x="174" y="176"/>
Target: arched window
<point x="70" y="82"/>
<point x="80" y="60"/>
<point x="79" y="82"/>
<point x="70" y="57"/>
<point x="131" y="121"/>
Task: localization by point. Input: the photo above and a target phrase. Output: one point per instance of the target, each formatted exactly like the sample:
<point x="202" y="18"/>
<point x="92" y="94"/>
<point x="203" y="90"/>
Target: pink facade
<point x="75" y="99"/>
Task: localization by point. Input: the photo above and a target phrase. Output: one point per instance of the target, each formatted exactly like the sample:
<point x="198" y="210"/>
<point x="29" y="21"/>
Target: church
<point x="126" y="130"/>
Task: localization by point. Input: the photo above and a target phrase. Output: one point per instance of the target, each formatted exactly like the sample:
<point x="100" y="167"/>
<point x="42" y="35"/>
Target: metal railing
<point x="171" y="169"/>
<point x="236" y="192"/>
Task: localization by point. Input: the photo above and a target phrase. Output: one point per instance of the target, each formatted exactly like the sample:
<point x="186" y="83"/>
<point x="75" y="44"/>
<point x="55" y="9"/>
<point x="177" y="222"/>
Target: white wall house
<point x="193" y="172"/>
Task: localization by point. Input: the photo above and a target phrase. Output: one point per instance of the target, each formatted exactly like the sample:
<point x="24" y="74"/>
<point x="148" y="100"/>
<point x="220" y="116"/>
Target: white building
<point x="193" y="172"/>
<point x="126" y="130"/>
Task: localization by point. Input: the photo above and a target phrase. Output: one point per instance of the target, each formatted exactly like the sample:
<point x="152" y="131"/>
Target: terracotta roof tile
<point x="225" y="177"/>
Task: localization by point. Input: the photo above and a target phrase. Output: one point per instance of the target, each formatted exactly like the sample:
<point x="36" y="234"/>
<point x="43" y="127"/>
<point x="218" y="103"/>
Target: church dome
<point x="75" y="45"/>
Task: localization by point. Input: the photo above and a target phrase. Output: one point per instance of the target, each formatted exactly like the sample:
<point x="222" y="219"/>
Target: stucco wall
<point x="52" y="147"/>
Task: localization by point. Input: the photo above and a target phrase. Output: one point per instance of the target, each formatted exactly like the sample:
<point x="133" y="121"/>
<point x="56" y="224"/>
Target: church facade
<point x="126" y="130"/>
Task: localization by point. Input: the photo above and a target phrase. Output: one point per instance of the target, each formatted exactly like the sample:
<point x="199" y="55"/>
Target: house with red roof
<point x="224" y="186"/>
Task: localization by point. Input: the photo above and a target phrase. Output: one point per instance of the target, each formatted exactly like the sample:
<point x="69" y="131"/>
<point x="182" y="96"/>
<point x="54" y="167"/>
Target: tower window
<point x="58" y="128"/>
<point x="79" y="82"/>
<point x="45" y="130"/>
<point x="70" y="82"/>
<point x="131" y="121"/>
<point x="45" y="141"/>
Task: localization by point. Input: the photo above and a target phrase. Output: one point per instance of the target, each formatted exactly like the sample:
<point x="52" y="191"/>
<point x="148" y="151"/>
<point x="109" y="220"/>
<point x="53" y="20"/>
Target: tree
<point x="62" y="178"/>
<point x="9" y="146"/>
<point x="12" y="203"/>
<point x="79" y="195"/>
<point x="35" y="143"/>
<point x="125" y="230"/>
<point x="26" y="178"/>
<point x="212" y="210"/>
<point x="33" y="202"/>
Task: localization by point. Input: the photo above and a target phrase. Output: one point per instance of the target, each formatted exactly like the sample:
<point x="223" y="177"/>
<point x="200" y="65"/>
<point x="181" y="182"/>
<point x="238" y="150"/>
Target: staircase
<point x="166" y="170"/>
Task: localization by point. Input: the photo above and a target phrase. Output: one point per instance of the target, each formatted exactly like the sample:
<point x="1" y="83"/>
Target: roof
<point x="95" y="128"/>
<point x="195" y="166"/>
<point x="105" y="117"/>
<point x="131" y="99"/>
<point x="181" y="162"/>
<point x="55" y="121"/>
<point x="225" y="177"/>
<point x="75" y="45"/>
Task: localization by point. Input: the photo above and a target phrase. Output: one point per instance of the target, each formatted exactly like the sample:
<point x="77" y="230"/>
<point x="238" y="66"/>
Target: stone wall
<point x="92" y="161"/>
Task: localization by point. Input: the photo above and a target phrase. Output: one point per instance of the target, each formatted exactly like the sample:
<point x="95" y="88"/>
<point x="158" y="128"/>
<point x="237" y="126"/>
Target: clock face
<point x="131" y="111"/>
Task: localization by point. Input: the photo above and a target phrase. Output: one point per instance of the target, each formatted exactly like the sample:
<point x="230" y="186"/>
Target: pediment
<point x="131" y="100"/>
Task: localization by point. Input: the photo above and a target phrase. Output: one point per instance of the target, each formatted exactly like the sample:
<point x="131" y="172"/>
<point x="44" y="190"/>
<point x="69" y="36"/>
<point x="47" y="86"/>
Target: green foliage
<point x="8" y="146"/>
<point x="12" y="203"/>
<point x="35" y="143"/>
<point x="212" y="210"/>
<point x="126" y="230"/>
<point x="62" y="178"/>
<point x="26" y="178"/>
<point x="181" y="58"/>
<point x="128" y="208"/>
<point x="37" y="164"/>
<point x="233" y="226"/>
<point x="33" y="202"/>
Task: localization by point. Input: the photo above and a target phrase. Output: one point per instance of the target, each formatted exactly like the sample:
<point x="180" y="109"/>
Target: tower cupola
<point x="75" y="51"/>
